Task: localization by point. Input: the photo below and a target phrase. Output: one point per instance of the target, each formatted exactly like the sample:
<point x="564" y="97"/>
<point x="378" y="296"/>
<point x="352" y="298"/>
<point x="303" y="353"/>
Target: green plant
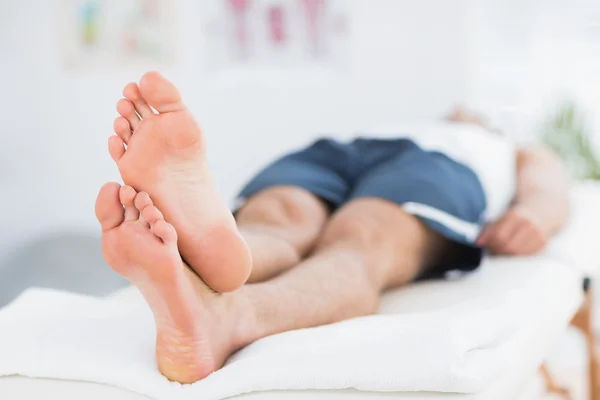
<point x="565" y="132"/>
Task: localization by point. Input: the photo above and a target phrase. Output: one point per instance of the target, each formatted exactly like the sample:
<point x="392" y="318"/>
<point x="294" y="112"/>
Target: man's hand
<point x="517" y="233"/>
<point x="540" y="207"/>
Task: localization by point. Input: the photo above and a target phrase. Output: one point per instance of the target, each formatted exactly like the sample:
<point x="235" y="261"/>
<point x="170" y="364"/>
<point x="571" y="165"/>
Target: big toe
<point x="160" y="93"/>
<point x="109" y="210"/>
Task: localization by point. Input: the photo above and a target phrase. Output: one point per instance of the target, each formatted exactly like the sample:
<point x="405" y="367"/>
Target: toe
<point x="127" y="111"/>
<point x="109" y="209"/>
<point x="142" y="200"/>
<point x="160" y="93"/>
<point x="122" y="128"/>
<point x="132" y="92"/>
<point x="165" y="231"/>
<point x="127" y="197"/>
<point x="116" y="148"/>
<point x="152" y="214"/>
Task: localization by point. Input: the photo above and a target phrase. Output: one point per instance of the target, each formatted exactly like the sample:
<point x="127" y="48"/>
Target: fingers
<point x="513" y="235"/>
<point x="533" y="241"/>
<point x="495" y="234"/>
<point x="521" y="241"/>
<point x="485" y="235"/>
<point x="505" y="231"/>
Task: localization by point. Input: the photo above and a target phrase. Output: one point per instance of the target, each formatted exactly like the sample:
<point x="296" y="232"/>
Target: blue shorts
<point x="442" y="192"/>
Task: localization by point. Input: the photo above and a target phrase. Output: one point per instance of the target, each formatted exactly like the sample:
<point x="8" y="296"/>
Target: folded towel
<point x="453" y="348"/>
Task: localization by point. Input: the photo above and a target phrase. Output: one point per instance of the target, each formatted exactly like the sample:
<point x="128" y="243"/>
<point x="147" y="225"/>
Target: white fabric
<point x="462" y="336"/>
<point x="459" y="347"/>
<point x="23" y="388"/>
<point x="491" y="156"/>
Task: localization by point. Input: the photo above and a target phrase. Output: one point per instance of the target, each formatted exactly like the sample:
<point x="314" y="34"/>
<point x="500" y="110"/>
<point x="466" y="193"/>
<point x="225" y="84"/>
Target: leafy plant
<point x="566" y="133"/>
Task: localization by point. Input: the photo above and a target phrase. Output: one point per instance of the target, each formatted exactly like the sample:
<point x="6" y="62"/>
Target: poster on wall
<point x="276" y="33"/>
<point x="115" y="33"/>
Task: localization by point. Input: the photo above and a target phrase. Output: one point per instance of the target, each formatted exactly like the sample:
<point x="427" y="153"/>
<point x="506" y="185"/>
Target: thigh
<point x="444" y="195"/>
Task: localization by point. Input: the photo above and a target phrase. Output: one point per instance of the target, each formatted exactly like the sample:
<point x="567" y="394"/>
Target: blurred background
<point x="263" y="77"/>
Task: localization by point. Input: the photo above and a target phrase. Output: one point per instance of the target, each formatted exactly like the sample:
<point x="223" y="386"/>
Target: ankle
<point x="246" y="328"/>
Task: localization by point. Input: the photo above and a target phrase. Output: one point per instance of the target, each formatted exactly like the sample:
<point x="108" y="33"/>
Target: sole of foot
<point x="197" y="329"/>
<point x="163" y="154"/>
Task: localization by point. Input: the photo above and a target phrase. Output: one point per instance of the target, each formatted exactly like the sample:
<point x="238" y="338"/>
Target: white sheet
<point x="21" y="388"/>
<point x="527" y="343"/>
<point x="462" y="336"/>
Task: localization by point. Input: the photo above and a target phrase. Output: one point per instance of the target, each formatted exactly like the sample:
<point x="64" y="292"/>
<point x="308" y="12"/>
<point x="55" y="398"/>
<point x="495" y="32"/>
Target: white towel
<point x="449" y="349"/>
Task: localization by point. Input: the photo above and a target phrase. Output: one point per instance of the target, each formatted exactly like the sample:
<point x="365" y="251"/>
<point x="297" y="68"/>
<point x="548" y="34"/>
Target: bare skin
<point x="139" y="244"/>
<point x="164" y="155"/>
<point x="281" y="226"/>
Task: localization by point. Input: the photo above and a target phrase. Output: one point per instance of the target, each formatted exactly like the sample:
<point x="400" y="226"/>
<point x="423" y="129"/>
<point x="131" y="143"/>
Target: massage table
<point x="546" y="290"/>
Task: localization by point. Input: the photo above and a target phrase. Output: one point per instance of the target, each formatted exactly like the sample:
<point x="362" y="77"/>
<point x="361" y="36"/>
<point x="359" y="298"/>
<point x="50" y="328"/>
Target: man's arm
<point x="539" y="210"/>
<point x="543" y="187"/>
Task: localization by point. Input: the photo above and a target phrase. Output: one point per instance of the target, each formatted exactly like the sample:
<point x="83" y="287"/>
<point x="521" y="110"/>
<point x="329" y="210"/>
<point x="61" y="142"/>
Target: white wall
<point x="529" y="55"/>
<point x="407" y="59"/>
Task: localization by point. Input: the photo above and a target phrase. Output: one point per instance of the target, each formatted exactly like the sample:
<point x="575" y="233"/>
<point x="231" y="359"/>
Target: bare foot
<point x="197" y="329"/>
<point x="164" y="155"/>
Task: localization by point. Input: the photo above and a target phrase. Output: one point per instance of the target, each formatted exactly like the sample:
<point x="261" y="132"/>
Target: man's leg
<point x="280" y="225"/>
<point x="368" y="246"/>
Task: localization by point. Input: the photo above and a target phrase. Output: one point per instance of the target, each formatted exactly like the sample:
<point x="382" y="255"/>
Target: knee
<point x="283" y="207"/>
<point x="389" y="244"/>
<point x="357" y="226"/>
<point x="359" y="241"/>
